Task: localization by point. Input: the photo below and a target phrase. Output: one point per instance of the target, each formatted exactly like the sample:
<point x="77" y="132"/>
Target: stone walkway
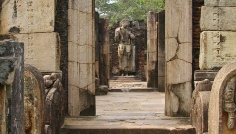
<point x="129" y="110"/>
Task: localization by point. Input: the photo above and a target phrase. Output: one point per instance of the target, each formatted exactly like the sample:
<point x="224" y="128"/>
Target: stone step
<point x="126" y="124"/>
<point x="125" y="78"/>
<point x="132" y="89"/>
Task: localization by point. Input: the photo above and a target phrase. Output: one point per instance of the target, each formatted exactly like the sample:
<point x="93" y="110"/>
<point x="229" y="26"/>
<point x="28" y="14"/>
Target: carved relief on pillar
<point x="229" y="103"/>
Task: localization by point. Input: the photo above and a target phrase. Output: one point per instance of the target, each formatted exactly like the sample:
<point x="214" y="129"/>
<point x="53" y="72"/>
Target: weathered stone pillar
<point x="12" y="87"/>
<point x="104" y="62"/>
<point x="161" y="51"/>
<point x="97" y="44"/>
<point x="81" y="66"/>
<point x="152" y="46"/>
<point x="178" y="49"/>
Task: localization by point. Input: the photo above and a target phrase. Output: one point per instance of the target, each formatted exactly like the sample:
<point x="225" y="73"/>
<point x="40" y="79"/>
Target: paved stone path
<point x="129" y="110"/>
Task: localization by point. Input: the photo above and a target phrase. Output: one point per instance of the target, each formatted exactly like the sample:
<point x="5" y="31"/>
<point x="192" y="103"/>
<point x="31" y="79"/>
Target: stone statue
<point x="126" y="48"/>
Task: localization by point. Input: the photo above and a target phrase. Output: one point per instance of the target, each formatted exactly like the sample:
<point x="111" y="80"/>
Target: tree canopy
<point x="116" y="10"/>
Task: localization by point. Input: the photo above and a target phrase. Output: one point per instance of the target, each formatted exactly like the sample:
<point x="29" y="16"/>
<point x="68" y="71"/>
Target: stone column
<point x="104" y="62"/>
<point x="81" y="66"/>
<point x="11" y="74"/>
<point x="161" y="51"/>
<point x="152" y="29"/>
<point x="178" y="49"/>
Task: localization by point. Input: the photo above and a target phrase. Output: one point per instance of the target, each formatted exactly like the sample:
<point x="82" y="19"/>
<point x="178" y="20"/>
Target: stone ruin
<point x="12" y="87"/>
<point x="222" y="108"/>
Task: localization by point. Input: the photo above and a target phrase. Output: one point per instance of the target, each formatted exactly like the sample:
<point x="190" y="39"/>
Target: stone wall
<point x="81" y="58"/>
<point x="178" y="49"/>
<point x="34" y="26"/>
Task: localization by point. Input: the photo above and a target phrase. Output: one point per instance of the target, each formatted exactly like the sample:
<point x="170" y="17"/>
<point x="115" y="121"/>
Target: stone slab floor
<point x="119" y="110"/>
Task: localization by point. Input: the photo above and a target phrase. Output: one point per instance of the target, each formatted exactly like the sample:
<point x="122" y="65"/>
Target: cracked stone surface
<point x="81" y="57"/>
<point x="178" y="45"/>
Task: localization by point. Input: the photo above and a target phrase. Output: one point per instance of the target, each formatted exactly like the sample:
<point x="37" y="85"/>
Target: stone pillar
<point x="104" y="62"/>
<point x="161" y="51"/>
<point x="152" y="67"/>
<point x="11" y="74"/>
<point x="178" y="49"/>
<point x="81" y="58"/>
<point x="97" y="44"/>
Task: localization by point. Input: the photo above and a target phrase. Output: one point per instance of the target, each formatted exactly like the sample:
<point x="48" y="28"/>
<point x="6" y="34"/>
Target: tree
<point x="116" y="10"/>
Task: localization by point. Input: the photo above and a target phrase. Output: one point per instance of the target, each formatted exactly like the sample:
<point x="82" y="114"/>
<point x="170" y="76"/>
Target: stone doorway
<point x="178" y="66"/>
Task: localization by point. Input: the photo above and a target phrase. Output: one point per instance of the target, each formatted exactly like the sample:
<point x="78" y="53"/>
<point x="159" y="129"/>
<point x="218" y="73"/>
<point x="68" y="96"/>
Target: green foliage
<point x="116" y="10"/>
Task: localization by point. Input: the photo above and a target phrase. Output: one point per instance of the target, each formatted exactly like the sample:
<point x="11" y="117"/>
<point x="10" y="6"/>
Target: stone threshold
<point x="132" y="89"/>
<point x="129" y="125"/>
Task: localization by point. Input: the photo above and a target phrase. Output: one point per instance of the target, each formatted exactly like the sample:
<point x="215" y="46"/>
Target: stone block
<point x="216" y="49"/>
<point x="85" y="75"/>
<point x="199" y="106"/>
<point x="42" y="50"/>
<point x="178" y="98"/>
<point x="73" y="101"/>
<point x="199" y="112"/>
<point x="85" y="6"/>
<point x="224" y="3"/>
<point x="218" y="18"/>
<point x="179" y="71"/>
<point x="178" y="19"/>
<point x="28" y="16"/>
<point x="200" y="75"/>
